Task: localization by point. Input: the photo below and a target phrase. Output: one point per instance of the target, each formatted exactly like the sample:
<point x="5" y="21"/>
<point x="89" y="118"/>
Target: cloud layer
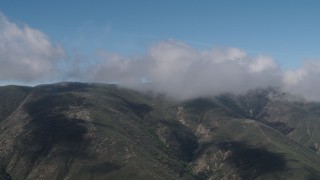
<point x="26" y="54"/>
<point x="183" y="72"/>
<point x="305" y="81"/>
<point x="171" y="67"/>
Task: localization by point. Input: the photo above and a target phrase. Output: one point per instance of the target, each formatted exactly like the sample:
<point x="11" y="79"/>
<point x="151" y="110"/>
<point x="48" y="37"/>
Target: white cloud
<point x="172" y="67"/>
<point x="183" y="72"/>
<point x="26" y="54"/>
<point x="262" y="63"/>
<point x="304" y="81"/>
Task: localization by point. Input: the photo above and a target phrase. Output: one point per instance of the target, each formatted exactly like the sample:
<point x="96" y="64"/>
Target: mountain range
<point x="100" y="131"/>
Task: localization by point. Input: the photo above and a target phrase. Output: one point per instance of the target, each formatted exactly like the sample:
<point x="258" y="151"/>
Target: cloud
<point x="26" y="54"/>
<point x="182" y="72"/>
<point x="304" y="81"/>
<point x="172" y="67"/>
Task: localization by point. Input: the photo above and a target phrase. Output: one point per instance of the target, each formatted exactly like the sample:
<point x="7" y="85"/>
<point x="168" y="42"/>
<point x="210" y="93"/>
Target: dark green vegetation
<point x="96" y="131"/>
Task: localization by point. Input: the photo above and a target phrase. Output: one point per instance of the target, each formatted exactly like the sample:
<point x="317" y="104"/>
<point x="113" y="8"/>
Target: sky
<point x="268" y="41"/>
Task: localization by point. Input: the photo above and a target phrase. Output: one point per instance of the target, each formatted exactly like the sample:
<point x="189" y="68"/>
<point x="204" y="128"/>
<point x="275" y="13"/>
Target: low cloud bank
<point x="177" y="69"/>
<point x="304" y="81"/>
<point x="171" y="67"/>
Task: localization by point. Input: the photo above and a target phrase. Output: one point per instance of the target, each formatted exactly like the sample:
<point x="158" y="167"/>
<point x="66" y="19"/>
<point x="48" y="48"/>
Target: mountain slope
<point x="232" y="146"/>
<point x="293" y="117"/>
<point x="97" y="131"/>
<point x="76" y="131"/>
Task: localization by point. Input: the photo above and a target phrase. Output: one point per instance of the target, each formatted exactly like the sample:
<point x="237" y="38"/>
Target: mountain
<point x="100" y="131"/>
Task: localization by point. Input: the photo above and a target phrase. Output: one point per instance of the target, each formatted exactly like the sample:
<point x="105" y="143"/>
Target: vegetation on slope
<point x="10" y="98"/>
<point x="97" y="131"/>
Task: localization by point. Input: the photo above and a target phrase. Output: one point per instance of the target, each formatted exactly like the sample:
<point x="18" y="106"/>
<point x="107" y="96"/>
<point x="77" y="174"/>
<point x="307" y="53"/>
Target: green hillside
<point x="99" y="131"/>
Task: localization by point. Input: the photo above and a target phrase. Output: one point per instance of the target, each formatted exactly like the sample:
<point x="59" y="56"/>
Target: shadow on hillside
<point x="4" y="174"/>
<point x="50" y="126"/>
<point x="102" y="168"/>
<point x="140" y="109"/>
<point x="200" y="105"/>
<point x="179" y="139"/>
<point x="252" y="162"/>
<point x="280" y="126"/>
<point x="62" y="87"/>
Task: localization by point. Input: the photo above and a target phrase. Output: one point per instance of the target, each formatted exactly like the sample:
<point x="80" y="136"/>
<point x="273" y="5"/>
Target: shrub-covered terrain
<point x="98" y="131"/>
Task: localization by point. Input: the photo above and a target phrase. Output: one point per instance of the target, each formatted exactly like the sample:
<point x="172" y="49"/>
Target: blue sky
<point x="286" y="30"/>
<point x="204" y="47"/>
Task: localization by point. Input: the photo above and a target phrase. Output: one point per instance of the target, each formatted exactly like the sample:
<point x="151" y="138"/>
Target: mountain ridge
<point x="98" y="131"/>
